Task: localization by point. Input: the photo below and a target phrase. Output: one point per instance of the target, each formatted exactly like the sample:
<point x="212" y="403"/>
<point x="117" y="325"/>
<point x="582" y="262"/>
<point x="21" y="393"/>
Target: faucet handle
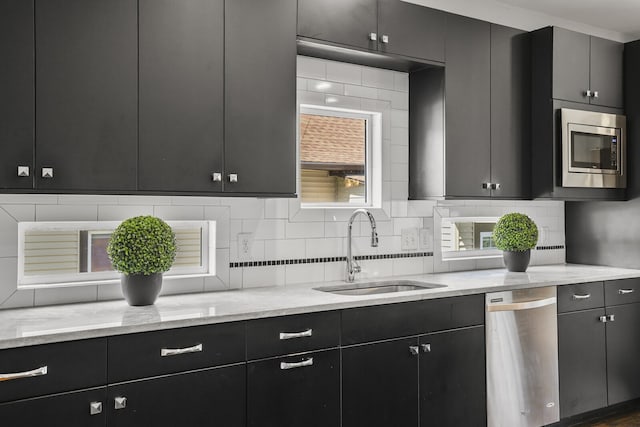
<point x="357" y="269"/>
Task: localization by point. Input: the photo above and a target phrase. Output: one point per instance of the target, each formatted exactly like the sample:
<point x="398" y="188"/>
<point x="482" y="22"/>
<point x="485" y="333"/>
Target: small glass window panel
<point x="333" y="153"/>
<point x="97" y="257"/>
<point x="593" y="151"/>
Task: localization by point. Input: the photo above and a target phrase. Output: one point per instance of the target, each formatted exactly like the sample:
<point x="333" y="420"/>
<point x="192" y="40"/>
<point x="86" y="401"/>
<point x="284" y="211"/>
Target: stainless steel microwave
<point x="593" y="149"/>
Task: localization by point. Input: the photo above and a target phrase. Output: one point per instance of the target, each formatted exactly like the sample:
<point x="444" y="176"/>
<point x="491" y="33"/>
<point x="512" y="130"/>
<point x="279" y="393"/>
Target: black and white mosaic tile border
<point x="326" y="259"/>
<point x="549" y="248"/>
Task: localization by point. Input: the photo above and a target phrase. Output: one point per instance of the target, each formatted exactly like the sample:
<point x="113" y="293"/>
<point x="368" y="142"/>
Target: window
<point x="71" y="253"/>
<point x="463" y="237"/>
<point x="339" y="157"/>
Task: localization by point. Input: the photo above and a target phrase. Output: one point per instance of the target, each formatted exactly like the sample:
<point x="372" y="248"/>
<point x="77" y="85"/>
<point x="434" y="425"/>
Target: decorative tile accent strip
<point x="549" y="248"/>
<point x="327" y="259"/>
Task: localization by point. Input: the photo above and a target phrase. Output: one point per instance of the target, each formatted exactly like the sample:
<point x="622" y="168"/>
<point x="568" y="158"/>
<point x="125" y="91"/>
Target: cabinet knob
<point x="384" y="38"/>
<point x="95" y="408"/>
<point x="120" y="402"/>
<point x="588" y="94"/>
<point x="495" y="186"/>
<point x="23" y="170"/>
<point x="602" y="319"/>
<point x="233" y="177"/>
<point x="373" y="37"/>
<point x="47" y="172"/>
<point x="486" y="185"/>
<point x="426" y="348"/>
<point x="611" y="318"/>
<point x="216" y="176"/>
<point x="595" y="94"/>
<point x="414" y="350"/>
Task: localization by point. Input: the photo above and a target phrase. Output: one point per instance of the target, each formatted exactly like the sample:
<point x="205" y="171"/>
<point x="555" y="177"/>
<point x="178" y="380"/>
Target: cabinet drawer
<point x="300" y="390"/>
<point x="292" y="334"/>
<point x="175" y="350"/>
<point x="52" y="368"/>
<point x="581" y="296"/>
<point x="412" y="318"/>
<point x="622" y="291"/>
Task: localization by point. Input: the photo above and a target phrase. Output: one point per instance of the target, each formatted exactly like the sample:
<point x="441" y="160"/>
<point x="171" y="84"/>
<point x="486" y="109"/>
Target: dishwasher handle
<point x="526" y="305"/>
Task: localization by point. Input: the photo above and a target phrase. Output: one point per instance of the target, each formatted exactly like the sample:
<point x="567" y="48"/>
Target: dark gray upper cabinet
<point x="87" y="94"/>
<point x="390" y="26"/>
<point x="260" y="96"/>
<point x="348" y="22"/>
<point x="510" y="112"/>
<point x="411" y="30"/>
<point x="16" y="93"/>
<point x="468" y="116"/>
<point x="181" y="95"/>
<point x="584" y="69"/>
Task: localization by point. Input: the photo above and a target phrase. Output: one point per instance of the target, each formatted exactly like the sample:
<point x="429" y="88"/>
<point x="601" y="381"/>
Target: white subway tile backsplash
<point x="28" y="199"/>
<point x="276" y="208"/>
<point x="214" y="284"/>
<point x="304" y="273"/>
<point x="222" y="265"/>
<point x="361" y="92"/>
<point x="399" y="100"/>
<point x="8" y="278"/>
<point x="334" y="271"/>
<point x="342" y="102"/>
<point x="325" y="86"/>
<point x="401" y="82"/>
<point x="182" y="286"/>
<point x="219" y="214"/>
<point x="311" y="68"/>
<point x="400" y="136"/>
<point x="312" y="98"/>
<point x="405" y="266"/>
<point x="21" y="212"/>
<point x="399" y="119"/>
<point x="110" y="291"/>
<point x="122" y="212"/>
<point x="66" y="213"/>
<point x="8" y="235"/>
<point x="21" y="298"/>
<point x="379" y="78"/>
<point x="235" y="278"/>
<point x="320" y="248"/>
<point x="254" y="277"/>
<point x="285" y="249"/>
<point x="194" y="213"/>
<point x="246" y="208"/>
<point x="344" y="73"/>
<point x="304" y="230"/>
<point x="76" y="199"/>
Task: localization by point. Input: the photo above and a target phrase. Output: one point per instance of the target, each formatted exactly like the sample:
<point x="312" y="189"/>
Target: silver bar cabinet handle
<point x="579" y="297"/>
<point x="293" y="365"/>
<point x="292" y="335"/>
<point x="513" y="306"/>
<point x="625" y="291"/>
<point x="27" y="374"/>
<point x="176" y="351"/>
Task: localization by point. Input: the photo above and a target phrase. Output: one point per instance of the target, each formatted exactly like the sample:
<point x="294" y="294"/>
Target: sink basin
<point x="371" y="288"/>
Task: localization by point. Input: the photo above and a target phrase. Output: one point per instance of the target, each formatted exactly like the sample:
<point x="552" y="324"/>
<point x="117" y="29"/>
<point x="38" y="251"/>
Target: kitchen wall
<point x="289" y="245"/>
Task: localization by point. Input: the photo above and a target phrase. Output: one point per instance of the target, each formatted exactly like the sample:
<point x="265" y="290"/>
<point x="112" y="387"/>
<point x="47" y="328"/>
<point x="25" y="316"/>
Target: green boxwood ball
<point x="515" y="232"/>
<point x="142" y="245"/>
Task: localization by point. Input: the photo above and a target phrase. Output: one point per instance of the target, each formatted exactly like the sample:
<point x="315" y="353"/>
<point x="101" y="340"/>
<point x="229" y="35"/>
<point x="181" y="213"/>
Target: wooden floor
<point x="629" y="419"/>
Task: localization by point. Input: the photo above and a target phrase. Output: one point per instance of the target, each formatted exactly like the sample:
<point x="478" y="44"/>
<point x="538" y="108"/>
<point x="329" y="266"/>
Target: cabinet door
<point x="467" y="107"/>
<point x="380" y="384"/>
<point x="87" y="103"/>
<point x="452" y="378"/>
<point x="606" y="72"/>
<point x="412" y="30"/>
<point x="347" y="22"/>
<point x="291" y="391"/>
<point x="181" y="94"/>
<point x="623" y="353"/>
<point x="260" y="98"/>
<point x="199" y="398"/>
<point x="582" y="362"/>
<point x="510" y="112"/>
<point x="83" y="408"/>
<point x="571" y="53"/>
<point x="16" y="92"/>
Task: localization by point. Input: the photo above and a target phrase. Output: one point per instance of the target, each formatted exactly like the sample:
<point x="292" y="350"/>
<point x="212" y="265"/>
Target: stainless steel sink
<point x="370" y="288"/>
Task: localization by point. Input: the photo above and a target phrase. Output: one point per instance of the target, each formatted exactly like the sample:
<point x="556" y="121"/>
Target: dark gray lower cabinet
<point x="452" y="378"/>
<point x="210" y="397"/>
<point x="66" y="409"/>
<point x="582" y="362"/>
<point x="292" y="391"/>
<point x="380" y="384"/>
<point x="623" y="352"/>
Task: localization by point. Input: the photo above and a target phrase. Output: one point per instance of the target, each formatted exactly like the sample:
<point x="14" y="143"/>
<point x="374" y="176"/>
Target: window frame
<point x="373" y="155"/>
<point x="207" y="254"/>
<point x="470" y="254"/>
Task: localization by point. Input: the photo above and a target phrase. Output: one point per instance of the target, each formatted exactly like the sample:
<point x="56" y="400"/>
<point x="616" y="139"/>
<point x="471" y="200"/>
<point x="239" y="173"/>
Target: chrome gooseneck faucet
<point x="352" y="265"/>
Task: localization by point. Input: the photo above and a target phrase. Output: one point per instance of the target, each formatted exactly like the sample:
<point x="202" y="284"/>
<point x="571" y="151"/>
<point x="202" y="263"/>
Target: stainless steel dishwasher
<point x="522" y="358"/>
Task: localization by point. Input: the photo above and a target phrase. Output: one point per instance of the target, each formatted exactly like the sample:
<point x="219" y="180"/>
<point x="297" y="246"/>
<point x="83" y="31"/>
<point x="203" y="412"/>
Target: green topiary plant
<point x="142" y="245"/>
<point x="515" y="232"/>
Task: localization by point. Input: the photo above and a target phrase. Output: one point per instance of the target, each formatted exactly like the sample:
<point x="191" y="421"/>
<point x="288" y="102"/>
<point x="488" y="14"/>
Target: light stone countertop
<point x="40" y="325"/>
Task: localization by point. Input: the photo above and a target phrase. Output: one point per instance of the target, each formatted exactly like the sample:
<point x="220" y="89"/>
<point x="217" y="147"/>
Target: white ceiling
<point x="613" y="19"/>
